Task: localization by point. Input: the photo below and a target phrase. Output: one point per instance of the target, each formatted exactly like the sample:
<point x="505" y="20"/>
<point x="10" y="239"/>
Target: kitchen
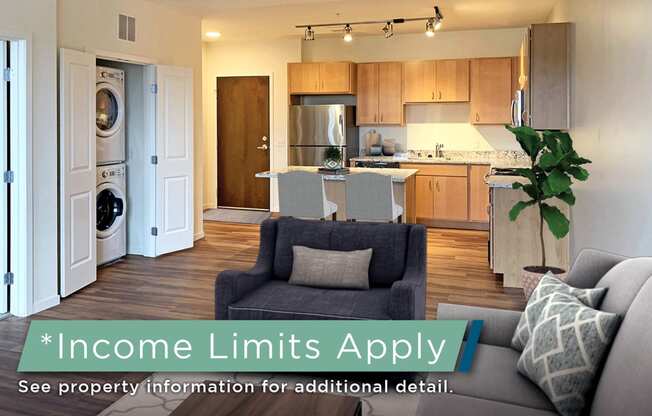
<point x="442" y="119"/>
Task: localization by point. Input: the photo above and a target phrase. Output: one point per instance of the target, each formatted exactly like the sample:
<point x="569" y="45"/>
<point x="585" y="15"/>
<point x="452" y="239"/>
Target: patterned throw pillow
<point x="548" y="286"/>
<point x="566" y="351"/>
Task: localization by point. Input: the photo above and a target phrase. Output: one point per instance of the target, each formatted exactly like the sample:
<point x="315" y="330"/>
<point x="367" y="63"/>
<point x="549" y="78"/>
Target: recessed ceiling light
<point x="213" y="35"/>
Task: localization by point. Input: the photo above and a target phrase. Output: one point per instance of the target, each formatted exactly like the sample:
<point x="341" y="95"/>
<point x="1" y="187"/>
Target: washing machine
<point x="111" y="220"/>
<point x="110" y="115"/>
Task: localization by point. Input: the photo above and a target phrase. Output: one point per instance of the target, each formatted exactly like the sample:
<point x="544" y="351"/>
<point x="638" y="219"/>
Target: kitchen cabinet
<point x="425" y="197"/>
<point x="491" y="90"/>
<point x="451" y="201"/>
<point x="379" y="98"/>
<point x="322" y="78"/>
<point x="478" y="193"/>
<point x="436" y="81"/>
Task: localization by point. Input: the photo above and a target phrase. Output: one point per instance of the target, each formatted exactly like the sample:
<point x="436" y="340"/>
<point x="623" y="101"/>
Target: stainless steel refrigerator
<point x="314" y="128"/>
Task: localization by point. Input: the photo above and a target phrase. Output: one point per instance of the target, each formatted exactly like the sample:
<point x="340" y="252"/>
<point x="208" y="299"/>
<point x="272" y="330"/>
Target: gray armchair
<point x="397" y="274"/>
<point x="494" y="387"/>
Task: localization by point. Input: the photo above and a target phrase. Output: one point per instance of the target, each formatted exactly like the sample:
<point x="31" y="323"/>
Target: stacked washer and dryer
<point x="111" y="182"/>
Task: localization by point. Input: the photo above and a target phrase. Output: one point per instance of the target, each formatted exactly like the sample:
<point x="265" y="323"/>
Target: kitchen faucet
<point x="438" y="150"/>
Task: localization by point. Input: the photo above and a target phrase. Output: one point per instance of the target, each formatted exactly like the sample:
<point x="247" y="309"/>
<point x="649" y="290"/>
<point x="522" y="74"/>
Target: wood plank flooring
<point x="180" y="286"/>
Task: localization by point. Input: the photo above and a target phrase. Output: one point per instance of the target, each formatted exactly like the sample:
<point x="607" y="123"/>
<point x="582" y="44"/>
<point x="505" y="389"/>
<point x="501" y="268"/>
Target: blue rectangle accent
<point x="471" y="344"/>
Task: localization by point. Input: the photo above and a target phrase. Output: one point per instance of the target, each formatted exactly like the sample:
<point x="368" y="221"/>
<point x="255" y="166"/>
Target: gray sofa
<point x="397" y="274"/>
<point x="494" y="387"/>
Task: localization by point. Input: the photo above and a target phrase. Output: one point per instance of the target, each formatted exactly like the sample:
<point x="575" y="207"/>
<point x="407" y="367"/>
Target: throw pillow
<point x="566" y="351"/>
<point x="548" y="286"/>
<point x="332" y="269"/>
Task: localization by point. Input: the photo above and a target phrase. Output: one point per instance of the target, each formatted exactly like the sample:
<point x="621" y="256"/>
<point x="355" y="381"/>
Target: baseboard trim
<point x="46" y="304"/>
<point x="199" y="236"/>
<point x="210" y="206"/>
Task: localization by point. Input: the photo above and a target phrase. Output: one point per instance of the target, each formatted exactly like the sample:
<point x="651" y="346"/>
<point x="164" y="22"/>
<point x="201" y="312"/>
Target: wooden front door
<point x="243" y="144"/>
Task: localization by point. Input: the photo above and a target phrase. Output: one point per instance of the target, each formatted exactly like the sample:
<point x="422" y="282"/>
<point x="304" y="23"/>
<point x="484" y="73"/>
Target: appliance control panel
<point x="111" y="172"/>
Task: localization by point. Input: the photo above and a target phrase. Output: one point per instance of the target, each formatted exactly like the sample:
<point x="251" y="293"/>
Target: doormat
<point x="241" y="216"/>
<point x="145" y="403"/>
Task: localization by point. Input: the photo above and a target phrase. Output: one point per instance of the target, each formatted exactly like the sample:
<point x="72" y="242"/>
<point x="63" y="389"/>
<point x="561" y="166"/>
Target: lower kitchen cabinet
<point x="425" y="197"/>
<point x="478" y="193"/>
<point x="450" y="202"/>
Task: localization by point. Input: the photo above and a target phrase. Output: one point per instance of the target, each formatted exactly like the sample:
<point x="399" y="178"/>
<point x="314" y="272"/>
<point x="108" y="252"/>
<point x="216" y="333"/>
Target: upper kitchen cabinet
<point x="452" y="80"/>
<point x="549" y="76"/>
<point x="491" y="90"/>
<point x="436" y="81"/>
<point x="379" y="98"/>
<point x="322" y="78"/>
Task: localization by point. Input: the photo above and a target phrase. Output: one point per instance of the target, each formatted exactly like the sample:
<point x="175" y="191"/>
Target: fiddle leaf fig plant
<point x="554" y="165"/>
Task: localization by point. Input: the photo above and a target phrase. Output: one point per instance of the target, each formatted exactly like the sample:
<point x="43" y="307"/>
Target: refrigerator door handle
<point x="513" y="115"/>
<point x="341" y="120"/>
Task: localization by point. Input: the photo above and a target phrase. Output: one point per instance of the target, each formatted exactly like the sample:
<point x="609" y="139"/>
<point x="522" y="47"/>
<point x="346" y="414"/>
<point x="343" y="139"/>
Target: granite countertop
<point x="503" y="181"/>
<point x="398" y="175"/>
<point x="496" y="159"/>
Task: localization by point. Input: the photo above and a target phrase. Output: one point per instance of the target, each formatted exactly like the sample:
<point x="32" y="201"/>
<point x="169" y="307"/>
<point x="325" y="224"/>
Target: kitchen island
<point x="403" y="182"/>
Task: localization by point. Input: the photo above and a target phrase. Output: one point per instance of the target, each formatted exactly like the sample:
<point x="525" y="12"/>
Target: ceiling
<point x="256" y="19"/>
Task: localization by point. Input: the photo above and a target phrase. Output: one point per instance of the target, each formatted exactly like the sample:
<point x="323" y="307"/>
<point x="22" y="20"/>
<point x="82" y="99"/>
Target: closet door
<point x="173" y="190"/>
<point x="77" y="153"/>
<point x="4" y="206"/>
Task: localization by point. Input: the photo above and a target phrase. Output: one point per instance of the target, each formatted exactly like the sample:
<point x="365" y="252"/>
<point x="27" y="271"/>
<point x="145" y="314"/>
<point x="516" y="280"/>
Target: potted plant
<point x="554" y="165"/>
<point x="332" y="158"/>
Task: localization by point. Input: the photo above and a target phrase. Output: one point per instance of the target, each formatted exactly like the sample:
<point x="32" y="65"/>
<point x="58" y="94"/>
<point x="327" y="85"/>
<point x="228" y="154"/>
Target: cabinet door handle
<point x="477" y="117"/>
<point x="430" y="184"/>
<point x="381" y="117"/>
<point x="437" y="186"/>
<point x="375" y="118"/>
<point x="433" y="96"/>
<point x="439" y="95"/>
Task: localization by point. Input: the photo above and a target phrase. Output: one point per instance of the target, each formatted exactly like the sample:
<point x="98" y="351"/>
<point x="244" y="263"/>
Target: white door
<point x="4" y="206"/>
<point x="174" y="167"/>
<point x="77" y="161"/>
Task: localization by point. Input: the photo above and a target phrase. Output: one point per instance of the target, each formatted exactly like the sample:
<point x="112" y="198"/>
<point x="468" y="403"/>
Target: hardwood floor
<point x="180" y="286"/>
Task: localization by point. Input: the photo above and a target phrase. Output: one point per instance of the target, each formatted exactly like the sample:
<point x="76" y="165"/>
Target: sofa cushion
<point x="330" y="268"/>
<point x="459" y="405"/>
<point x="624" y="387"/>
<point x="548" y="286"/>
<point x="494" y="377"/>
<point x="388" y="241"/>
<point x="624" y="281"/>
<point x="281" y="300"/>
<point x="566" y="350"/>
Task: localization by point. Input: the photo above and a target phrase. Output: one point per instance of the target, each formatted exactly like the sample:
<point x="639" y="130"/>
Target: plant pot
<point x="531" y="275"/>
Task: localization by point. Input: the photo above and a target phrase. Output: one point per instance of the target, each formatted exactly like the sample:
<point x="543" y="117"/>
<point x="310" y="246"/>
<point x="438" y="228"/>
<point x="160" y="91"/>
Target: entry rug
<point x="242" y="216"/>
<point x="162" y="404"/>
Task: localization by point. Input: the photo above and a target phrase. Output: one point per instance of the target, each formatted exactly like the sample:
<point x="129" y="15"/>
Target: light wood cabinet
<point x="451" y="201"/>
<point x="452" y="80"/>
<point x="379" y="98"/>
<point x="491" y="90"/>
<point x="322" y="78"/>
<point x="425" y="197"/>
<point x="436" y="81"/>
<point x="478" y="193"/>
<point x="419" y="82"/>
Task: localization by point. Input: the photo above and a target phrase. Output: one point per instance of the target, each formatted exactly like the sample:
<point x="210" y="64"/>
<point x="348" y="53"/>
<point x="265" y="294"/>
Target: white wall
<point x="611" y="103"/>
<point x="265" y="57"/>
<point x="37" y="18"/>
<point x="164" y="34"/>
<point x="430" y="123"/>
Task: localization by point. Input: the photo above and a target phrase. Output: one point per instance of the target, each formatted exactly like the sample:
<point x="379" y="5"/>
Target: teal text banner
<point x="242" y="346"/>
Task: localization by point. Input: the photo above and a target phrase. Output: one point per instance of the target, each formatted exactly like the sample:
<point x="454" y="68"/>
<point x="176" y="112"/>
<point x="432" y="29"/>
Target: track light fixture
<point x="388" y="30"/>
<point x="348" y="33"/>
<point x="309" y="34"/>
<point x="433" y="23"/>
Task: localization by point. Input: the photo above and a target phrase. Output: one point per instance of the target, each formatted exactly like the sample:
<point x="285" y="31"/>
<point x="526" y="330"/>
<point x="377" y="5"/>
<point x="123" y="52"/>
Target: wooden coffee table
<point x="268" y="404"/>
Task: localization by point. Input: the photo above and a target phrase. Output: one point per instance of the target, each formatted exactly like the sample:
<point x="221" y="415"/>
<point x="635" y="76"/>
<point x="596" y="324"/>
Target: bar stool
<point x="303" y="195"/>
<point x="370" y="197"/>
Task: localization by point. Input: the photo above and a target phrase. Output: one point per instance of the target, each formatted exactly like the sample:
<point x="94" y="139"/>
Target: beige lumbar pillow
<point x="332" y="269"/>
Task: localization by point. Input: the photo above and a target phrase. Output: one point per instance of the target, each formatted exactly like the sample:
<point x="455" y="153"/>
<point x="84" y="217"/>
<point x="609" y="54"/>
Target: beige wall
<point x="265" y="57"/>
<point x="427" y="124"/>
<point x="611" y="103"/>
<point x="164" y="34"/>
<point x="37" y="19"/>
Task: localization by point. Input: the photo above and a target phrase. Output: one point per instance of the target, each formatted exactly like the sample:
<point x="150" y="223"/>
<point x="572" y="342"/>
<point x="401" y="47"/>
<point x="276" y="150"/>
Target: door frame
<point x="271" y="137"/>
<point x="21" y="208"/>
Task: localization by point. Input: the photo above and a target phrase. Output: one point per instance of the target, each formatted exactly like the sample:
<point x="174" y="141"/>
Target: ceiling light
<point x="438" y="18"/>
<point x="213" y="35"/>
<point x="348" y="36"/>
<point x="309" y="34"/>
<point x="388" y="30"/>
<point x="430" y="27"/>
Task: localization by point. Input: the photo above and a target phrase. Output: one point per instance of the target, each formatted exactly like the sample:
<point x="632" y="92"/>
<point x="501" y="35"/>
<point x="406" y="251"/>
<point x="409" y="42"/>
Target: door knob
<point x="263" y="147"/>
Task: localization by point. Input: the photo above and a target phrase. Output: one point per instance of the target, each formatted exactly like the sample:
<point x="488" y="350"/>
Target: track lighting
<point x="388" y="30"/>
<point x="348" y="33"/>
<point x="309" y="34"/>
<point x="438" y="18"/>
<point x="430" y="27"/>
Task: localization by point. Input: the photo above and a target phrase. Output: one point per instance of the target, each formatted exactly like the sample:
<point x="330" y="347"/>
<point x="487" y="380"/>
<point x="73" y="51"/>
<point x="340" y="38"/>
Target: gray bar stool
<point x="370" y="197"/>
<point x="303" y="195"/>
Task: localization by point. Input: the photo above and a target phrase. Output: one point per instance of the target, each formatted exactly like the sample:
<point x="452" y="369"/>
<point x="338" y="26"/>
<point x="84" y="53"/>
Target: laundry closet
<point x="126" y="159"/>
